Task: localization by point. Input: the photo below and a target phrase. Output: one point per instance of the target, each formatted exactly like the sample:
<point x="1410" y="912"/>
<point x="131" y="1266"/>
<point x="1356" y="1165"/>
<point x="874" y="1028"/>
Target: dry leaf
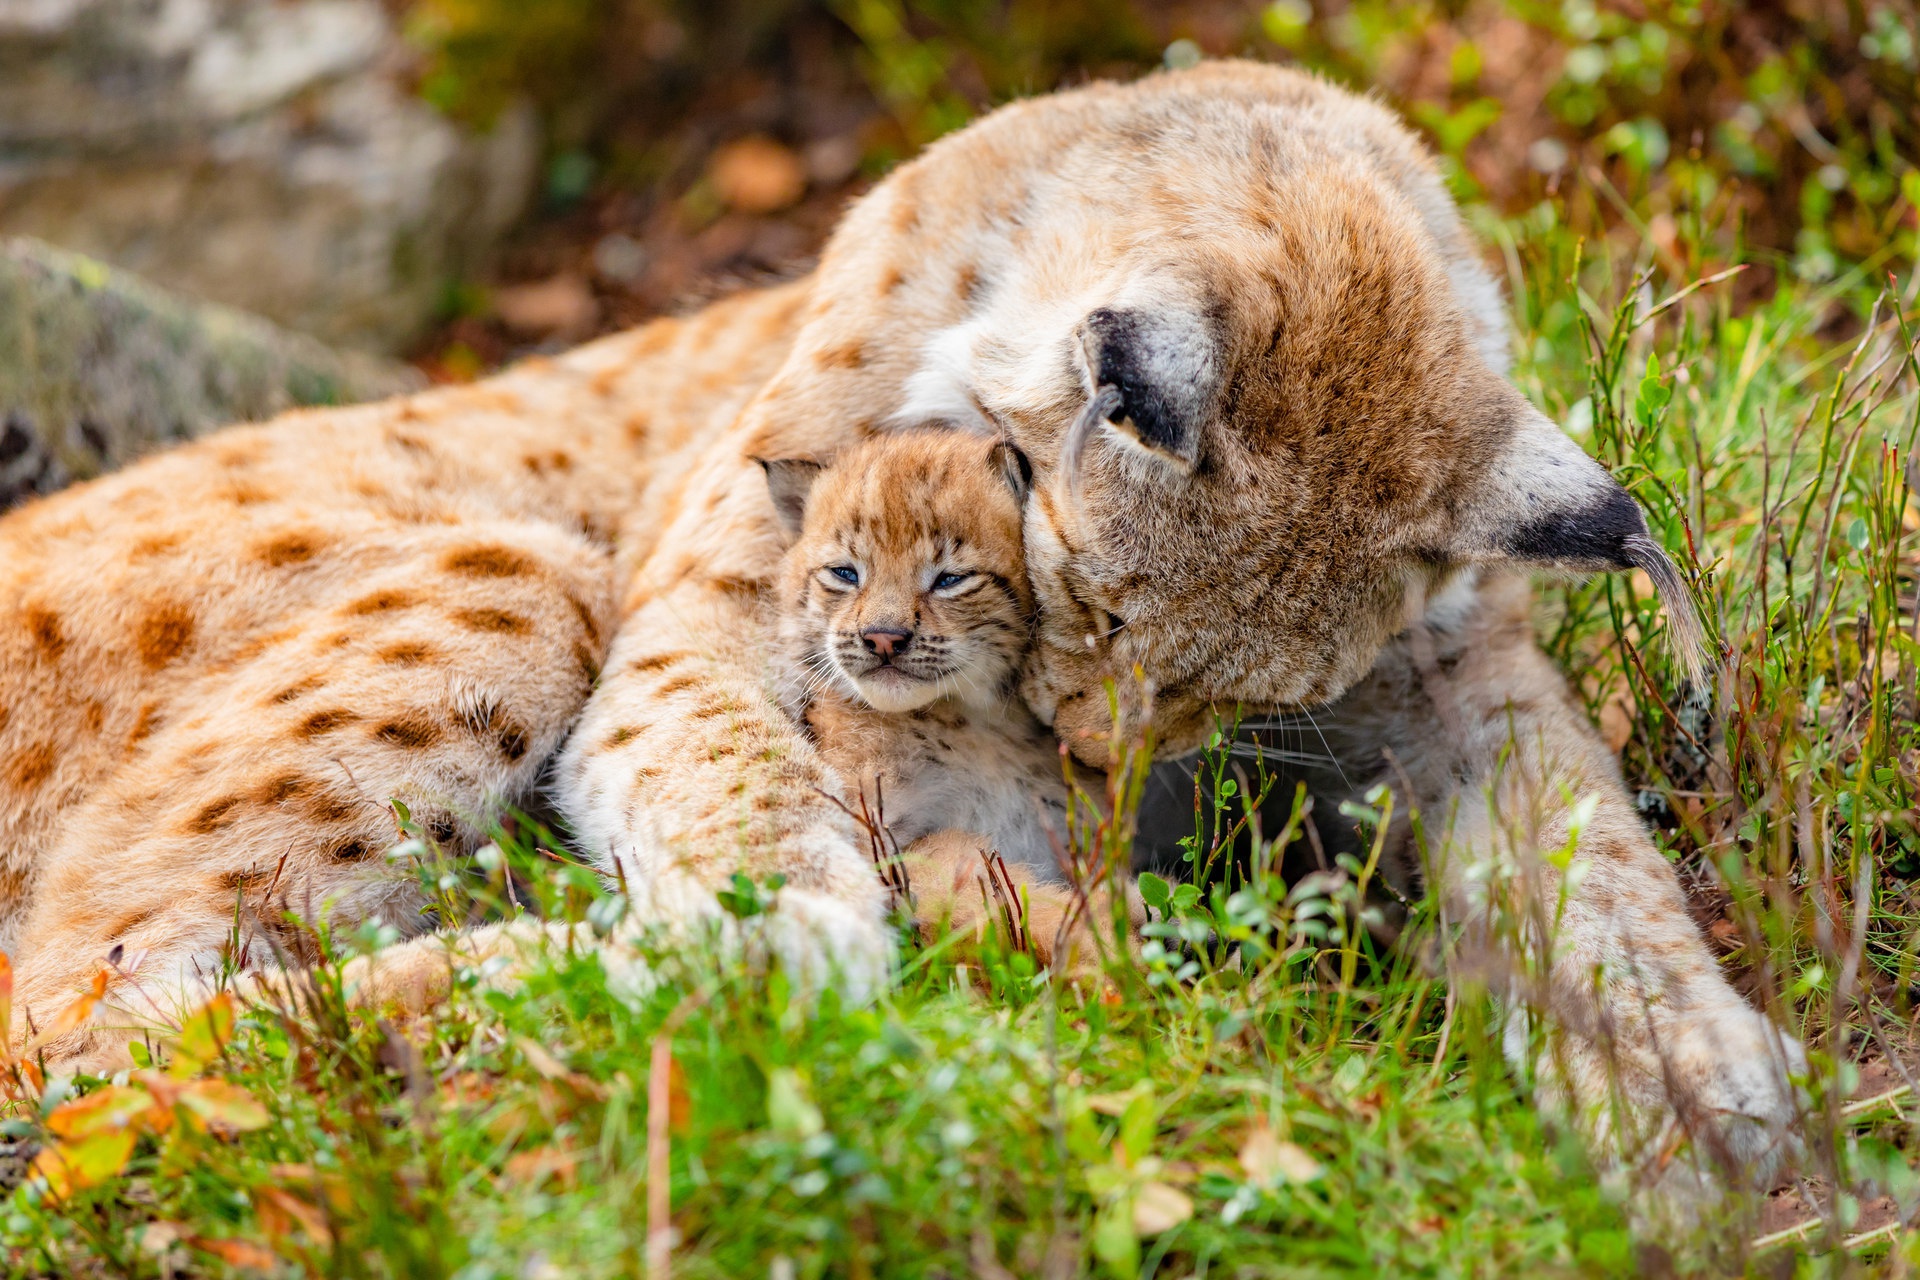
<point x="553" y="1069"/>
<point x="158" y="1237"/>
<point x="71" y="1166"/>
<point x="539" y="1165"/>
<point x="203" y="1036"/>
<point x="102" y="1111"/>
<point x="278" y="1210"/>
<point x="757" y="175"/>
<point x="1268" y="1160"/>
<point x="237" y="1253"/>
<point x="1158" y="1207"/>
<point x="74" y="1014"/>
<point x="215" y="1103"/>
<point x="561" y="304"/>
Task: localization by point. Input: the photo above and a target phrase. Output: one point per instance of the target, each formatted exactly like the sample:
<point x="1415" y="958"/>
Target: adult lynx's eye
<point x="846" y="573"/>
<point x="948" y="581"/>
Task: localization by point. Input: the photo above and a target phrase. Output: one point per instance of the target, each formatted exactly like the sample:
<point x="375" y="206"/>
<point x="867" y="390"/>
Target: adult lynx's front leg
<point x="1644" y="1037"/>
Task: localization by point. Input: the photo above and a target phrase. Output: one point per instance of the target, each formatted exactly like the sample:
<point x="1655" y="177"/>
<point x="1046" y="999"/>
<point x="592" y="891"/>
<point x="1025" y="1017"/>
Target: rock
<point x="98" y="367"/>
<point x="260" y="153"/>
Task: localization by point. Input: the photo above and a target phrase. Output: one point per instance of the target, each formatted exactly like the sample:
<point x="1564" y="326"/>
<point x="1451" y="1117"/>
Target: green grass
<point x="1302" y="1105"/>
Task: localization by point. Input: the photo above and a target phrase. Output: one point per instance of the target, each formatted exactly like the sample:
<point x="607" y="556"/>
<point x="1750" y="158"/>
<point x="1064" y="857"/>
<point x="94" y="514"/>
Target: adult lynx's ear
<point x="1153" y="375"/>
<point x="789" y="481"/>
<point x="1543" y="501"/>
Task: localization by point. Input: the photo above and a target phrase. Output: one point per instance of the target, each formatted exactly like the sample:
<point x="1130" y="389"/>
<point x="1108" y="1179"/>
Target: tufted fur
<point x="1232" y="318"/>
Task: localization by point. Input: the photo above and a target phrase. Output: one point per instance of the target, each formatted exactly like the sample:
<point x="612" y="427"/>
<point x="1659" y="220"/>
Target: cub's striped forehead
<point x="918" y="490"/>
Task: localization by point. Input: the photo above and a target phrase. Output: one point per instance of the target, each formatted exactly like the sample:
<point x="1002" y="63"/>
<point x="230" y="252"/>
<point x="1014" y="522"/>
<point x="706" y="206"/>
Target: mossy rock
<point x="98" y="367"/>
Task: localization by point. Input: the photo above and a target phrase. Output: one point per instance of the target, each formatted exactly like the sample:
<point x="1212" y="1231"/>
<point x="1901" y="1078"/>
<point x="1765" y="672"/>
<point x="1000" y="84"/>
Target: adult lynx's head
<point x="1232" y="317"/>
<point x="906" y="582"/>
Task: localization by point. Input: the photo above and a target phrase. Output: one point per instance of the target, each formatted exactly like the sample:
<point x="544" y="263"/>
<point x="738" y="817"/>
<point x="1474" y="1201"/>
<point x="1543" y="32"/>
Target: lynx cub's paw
<point x="954" y="889"/>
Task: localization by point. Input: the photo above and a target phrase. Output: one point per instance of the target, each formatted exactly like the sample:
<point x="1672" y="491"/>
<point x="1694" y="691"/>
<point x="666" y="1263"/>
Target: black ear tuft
<point x="1587" y="537"/>
<point x="789" y="481"/>
<point x="1013" y="467"/>
<point x="1610" y="532"/>
<point x="1164" y="368"/>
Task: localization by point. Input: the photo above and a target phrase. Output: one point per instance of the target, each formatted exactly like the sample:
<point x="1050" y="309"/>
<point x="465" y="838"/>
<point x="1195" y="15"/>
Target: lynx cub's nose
<point x="886" y="642"/>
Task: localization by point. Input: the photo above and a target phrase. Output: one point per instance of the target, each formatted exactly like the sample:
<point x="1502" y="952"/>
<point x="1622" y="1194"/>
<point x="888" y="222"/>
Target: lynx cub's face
<point x="906" y="583"/>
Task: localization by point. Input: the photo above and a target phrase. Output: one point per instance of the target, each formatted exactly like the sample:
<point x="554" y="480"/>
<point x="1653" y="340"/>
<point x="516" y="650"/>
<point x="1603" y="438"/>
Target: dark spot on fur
<point x="488" y="562"/>
<point x="213" y="816"/>
<point x="494" y="621"/>
<point x="330" y="807"/>
<point x="443" y="829"/>
<point x="656" y="662"/>
<point x="352" y="849"/>
<point x="409" y="732"/>
<point x="325" y="721"/>
<point x="158" y="544"/>
<point x="587" y="622"/>
<point x="512" y="740"/>
<point x="144" y="724"/>
<point x="132" y="920"/>
<point x="587" y="662"/>
<point x="848" y="355"/>
<point x="163" y="634"/>
<point x="231" y="882"/>
<point x="679" y="683"/>
<point x="408" y="653"/>
<point x="31" y="767"/>
<point x="383" y="602"/>
<point x="44" y="626"/>
<point x="285" y="787"/>
<point x="289" y="549"/>
<point x="295" y="692"/>
<point x="622" y="736"/>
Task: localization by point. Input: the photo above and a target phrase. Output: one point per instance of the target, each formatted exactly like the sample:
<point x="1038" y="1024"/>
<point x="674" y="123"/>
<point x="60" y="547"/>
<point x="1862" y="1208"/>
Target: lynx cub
<point x="904" y="613"/>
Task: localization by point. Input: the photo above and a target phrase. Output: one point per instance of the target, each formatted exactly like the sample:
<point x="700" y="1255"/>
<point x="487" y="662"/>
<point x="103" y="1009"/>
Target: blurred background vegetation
<point x="694" y="144"/>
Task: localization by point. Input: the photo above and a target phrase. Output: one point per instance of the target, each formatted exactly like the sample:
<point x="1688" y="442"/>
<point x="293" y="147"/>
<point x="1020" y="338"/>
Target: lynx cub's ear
<point x="1153" y="376"/>
<point x="1014" y="467"/>
<point x="789" y="481"/>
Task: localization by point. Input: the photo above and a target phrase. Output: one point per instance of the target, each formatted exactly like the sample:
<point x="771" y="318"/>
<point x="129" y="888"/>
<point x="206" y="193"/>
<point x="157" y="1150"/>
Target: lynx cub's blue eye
<point x="846" y="573"/>
<point x="947" y="581"/>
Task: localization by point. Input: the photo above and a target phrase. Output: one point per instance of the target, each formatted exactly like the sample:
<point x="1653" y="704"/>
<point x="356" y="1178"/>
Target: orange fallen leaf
<point x="552" y="1068"/>
<point x="217" y="1104"/>
<point x="203" y="1036"/>
<point x="74" y="1014"/>
<point x="102" y="1111"/>
<point x="1158" y="1207"/>
<point x="757" y="175"/>
<point x="539" y="1165"/>
<point x="279" y="1211"/>
<point x="72" y="1166"/>
<point x="237" y="1253"/>
<point x="562" y="304"/>
<point x="1268" y="1159"/>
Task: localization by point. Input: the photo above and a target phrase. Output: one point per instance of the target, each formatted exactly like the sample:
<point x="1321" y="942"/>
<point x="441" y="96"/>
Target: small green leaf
<point x="1858" y="534"/>
<point x="1156" y="892"/>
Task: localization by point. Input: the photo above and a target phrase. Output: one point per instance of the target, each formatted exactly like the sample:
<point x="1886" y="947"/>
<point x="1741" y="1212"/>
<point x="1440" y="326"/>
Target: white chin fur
<point x="895" y="693"/>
